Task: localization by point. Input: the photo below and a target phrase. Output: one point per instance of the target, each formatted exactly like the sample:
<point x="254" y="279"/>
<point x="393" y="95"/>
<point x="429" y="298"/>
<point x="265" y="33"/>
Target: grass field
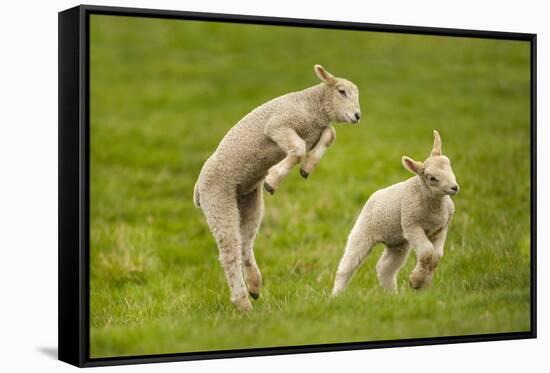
<point x="163" y="94"/>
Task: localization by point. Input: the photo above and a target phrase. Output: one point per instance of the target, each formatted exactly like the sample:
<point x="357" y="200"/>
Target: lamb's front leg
<point x="316" y="153"/>
<point x="294" y="147"/>
<point x="421" y="276"/>
<point x="426" y="266"/>
<point x="389" y="264"/>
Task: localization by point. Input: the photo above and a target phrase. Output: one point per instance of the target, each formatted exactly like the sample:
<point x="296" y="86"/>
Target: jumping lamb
<point x="262" y="148"/>
<point x="411" y="214"/>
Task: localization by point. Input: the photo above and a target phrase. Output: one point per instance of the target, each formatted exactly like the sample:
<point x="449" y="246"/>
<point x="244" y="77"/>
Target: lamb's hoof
<point x="254" y="295"/>
<point x="390" y="288"/>
<point x="303" y="173"/>
<point x="243" y="304"/>
<point x="269" y="189"/>
<point x="419" y="281"/>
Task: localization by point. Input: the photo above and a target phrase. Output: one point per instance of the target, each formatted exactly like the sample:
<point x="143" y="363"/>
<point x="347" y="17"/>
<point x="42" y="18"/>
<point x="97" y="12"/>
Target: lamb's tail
<point x="196" y="195"/>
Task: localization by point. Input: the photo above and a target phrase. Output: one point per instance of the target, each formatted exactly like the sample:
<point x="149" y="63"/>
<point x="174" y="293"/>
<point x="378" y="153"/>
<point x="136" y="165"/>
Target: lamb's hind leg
<point x="251" y="212"/>
<point x="222" y="214"/>
<point x="316" y="153"/>
<point x="357" y="249"/>
<point x="294" y="147"/>
<point x="389" y="264"/>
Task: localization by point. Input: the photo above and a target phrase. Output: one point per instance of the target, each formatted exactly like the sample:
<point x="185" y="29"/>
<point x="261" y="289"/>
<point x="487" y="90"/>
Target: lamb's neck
<point x="427" y="197"/>
<point x="316" y="97"/>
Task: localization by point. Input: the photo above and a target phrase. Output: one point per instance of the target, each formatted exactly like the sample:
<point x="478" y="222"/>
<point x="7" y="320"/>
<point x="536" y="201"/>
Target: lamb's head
<point x="342" y="98"/>
<point x="435" y="172"/>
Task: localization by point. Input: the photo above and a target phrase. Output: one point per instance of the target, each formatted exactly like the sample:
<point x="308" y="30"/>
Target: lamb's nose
<point x="357" y="116"/>
<point x="454" y="188"/>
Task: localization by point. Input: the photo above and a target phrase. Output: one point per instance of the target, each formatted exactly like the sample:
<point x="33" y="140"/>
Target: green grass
<point x="163" y="94"/>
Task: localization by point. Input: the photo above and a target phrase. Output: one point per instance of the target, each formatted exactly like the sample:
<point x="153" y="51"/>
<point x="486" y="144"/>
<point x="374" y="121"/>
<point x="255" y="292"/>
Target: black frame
<point x="73" y="281"/>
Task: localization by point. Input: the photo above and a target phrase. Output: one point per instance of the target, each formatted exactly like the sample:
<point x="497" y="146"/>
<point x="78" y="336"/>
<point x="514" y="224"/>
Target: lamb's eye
<point x="432" y="178"/>
<point x="342" y="92"/>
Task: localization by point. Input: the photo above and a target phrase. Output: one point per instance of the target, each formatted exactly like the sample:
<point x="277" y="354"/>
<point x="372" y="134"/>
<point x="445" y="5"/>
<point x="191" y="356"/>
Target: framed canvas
<point x="235" y="186"/>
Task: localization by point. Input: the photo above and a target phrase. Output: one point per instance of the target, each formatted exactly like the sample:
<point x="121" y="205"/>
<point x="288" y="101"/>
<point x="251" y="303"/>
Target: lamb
<point x="262" y="148"/>
<point x="414" y="213"/>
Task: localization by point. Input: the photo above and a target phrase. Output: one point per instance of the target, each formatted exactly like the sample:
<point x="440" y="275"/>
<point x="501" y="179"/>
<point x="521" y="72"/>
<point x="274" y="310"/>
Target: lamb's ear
<point x="324" y="75"/>
<point x="412" y="165"/>
<point x="436" y="150"/>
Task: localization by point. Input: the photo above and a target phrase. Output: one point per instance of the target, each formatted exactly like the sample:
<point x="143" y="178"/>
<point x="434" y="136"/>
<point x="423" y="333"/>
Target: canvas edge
<point x="70" y="249"/>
